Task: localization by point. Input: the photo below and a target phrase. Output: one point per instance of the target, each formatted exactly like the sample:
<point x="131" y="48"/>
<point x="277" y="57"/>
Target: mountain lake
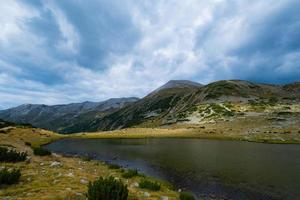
<point x="211" y="169"/>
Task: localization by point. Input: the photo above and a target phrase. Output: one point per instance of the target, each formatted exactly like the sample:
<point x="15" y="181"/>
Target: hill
<point x="58" y="117"/>
<point x="178" y="102"/>
<point x="183" y="104"/>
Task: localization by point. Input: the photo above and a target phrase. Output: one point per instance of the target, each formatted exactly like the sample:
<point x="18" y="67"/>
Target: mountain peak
<point x="179" y="84"/>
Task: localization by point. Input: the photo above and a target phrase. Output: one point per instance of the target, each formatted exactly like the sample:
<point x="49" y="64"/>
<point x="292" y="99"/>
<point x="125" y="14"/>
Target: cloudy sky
<point x="61" y="51"/>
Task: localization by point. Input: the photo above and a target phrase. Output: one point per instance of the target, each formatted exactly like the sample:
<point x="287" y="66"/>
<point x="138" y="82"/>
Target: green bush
<point x="113" y="166"/>
<point x="9" y="177"/>
<point x="39" y="151"/>
<point x="145" y="184"/>
<point x="186" y="196"/>
<point x="12" y="155"/>
<point x="129" y="173"/>
<point x="107" y="189"/>
<point x="28" y="144"/>
<point x="86" y="158"/>
<point x="273" y="100"/>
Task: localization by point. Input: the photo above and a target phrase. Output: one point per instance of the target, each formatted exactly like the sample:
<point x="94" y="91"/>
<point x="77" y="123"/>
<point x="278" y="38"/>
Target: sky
<point x="62" y="51"/>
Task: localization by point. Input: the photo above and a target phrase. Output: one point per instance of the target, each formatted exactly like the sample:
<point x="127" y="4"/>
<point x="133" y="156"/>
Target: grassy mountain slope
<point x="156" y="105"/>
<point x="172" y="105"/>
<point x="176" y="102"/>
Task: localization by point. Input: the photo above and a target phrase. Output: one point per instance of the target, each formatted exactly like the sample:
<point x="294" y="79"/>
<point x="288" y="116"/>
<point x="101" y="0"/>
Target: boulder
<point x="147" y="194"/>
<point x="84" y="181"/>
<point x="55" y="164"/>
<point x="164" y="198"/>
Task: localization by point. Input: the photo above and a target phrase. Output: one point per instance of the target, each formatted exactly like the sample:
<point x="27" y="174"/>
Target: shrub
<point x="107" y="189"/>
<point x="113" y="166"/>
<point x="145" y="184"/>
<point x="130" y="173"/>
<point x="86" y="158"/>
<point x="9" y="177"/>
<point x="28" y="144"/>
<point x="3" y="131"/>
<point x="273" y="100"/>
<point x="39" y="151"/>
<point x="12" y="155"/>
<point x="186" y="196"/>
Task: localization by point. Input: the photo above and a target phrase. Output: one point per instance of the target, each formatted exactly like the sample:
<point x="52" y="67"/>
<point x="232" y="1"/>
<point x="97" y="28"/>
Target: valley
<point x="225" y="112"/>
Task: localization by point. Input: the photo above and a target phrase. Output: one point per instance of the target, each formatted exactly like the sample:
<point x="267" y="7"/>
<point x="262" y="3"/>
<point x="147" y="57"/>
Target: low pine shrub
<point x="107" y="189"/>
<point x="86" y="158"/>
<point x="129" y="173"/>
<point x="28" y="144"/>
<point x="113" y="166"/>
<point x="9" y="177"/>
<point x="145" y="184"/>
<point x="11" y="155"/>
<point x="186" y="196"/>
<point x="39" y="151"/>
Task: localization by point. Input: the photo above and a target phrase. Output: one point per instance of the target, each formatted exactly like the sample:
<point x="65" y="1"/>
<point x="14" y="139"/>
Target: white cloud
<point x="71" y="39"/>
<point x="192" y="39"/>
<point x="12" y="16"/>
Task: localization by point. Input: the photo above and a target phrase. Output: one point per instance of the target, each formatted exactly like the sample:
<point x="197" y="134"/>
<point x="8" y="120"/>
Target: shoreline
<point x="135" y="133"/>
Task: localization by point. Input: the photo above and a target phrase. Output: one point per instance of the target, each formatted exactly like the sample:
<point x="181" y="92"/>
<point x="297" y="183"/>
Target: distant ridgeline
<point x="171" y="103"/>
<point x="4" y="124"/>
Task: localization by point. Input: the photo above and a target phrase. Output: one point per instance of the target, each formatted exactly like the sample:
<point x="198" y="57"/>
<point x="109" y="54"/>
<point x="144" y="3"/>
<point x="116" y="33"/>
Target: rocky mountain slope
<point x="58" y="117"/>
<point x="176" y="102"/>
<point x="182" y="104"/>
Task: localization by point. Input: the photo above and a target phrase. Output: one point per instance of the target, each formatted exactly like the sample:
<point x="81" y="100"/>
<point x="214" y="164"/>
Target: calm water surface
<point x="209" y="168"/>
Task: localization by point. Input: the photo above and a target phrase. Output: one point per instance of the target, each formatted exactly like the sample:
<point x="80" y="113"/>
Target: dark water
<point x="221" y="169"/>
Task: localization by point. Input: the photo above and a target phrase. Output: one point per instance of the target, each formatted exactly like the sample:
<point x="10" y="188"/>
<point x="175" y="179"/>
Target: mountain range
<point x="174" y="102"/>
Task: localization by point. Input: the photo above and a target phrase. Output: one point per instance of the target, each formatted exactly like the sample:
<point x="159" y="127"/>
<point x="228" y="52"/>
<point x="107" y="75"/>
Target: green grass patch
<point x="186" y="196"/>
<point x="39" y="151"/>
<point x="146" y="184"/>
<point x="113" y="166"/>
<point x="129" y="173"/>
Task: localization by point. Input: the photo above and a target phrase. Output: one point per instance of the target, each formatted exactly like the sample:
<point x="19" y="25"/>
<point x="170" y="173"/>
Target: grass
<point x="150" y="185"/>
<point x="130" y="173"/>
<point x="236" y="131"/>
<point x="186" y="196"/>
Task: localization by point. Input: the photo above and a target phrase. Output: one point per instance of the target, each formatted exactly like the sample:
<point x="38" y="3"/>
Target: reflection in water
<point x="228" y="169"/>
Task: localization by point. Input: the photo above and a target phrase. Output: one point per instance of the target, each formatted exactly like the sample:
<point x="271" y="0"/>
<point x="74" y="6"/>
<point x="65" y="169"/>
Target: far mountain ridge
<point x="54" y="117"/>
